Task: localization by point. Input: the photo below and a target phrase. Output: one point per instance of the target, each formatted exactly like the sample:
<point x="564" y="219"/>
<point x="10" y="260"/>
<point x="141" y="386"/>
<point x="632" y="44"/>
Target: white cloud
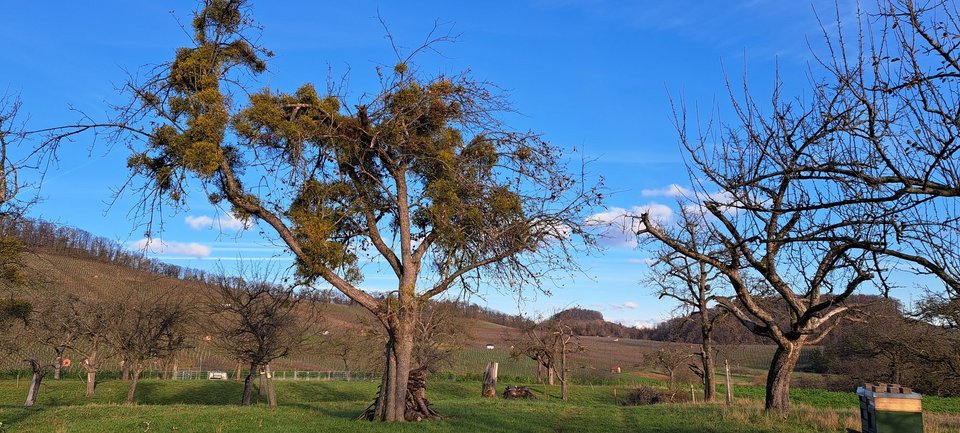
<point x="161" y="247"/>
<point x="619" y="226"/>
<point x="672" y="190"/>
<point x="221" y="222"/>
<point x="630" y="304"/>
<point x="644" y="261"/>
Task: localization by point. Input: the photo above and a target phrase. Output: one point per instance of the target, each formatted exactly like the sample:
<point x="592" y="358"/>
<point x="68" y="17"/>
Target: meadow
<point x="329" y="406"/>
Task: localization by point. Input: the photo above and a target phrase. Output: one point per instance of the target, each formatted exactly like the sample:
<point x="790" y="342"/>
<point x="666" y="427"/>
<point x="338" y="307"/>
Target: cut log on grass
<point x="490" y="381"/>
<point x="517" y="392"/>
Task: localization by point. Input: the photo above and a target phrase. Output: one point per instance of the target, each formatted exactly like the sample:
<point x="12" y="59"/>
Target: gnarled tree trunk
<point x="391" y="404"/>
<point x="38" y="372"/>
<point x="778" y="379"/>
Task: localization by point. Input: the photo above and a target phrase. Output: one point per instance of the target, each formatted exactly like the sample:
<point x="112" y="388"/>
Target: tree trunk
<point x="261" y="383"/>
<point x="550" y="375"/>
<point x="271" y="392"/>
<point x="490" y="381"/>
<point x="91" y="383"/>
<point x="709" y="370"/>
<point x="34" y="389"/>
<point x="176" y="369"/>
<point x="124" y="370"/>
<point x="236" y="376"/>
<point x="134" y="378"/>
<point x="248" y="385"/>
<point x="563" y="375"/>
<point x="539" y="372"/>
<point x="58" y="363"/>
<point x="778" y="378"/>
<point x="391" y="401"/>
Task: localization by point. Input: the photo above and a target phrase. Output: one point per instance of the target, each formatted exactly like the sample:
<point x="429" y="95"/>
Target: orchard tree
<point x="258" y="322"/>
<point x="696" y="286"/>
<point x="816" y="198"/>
<point x="421" y="173"/>
<point x="146" y="330"/>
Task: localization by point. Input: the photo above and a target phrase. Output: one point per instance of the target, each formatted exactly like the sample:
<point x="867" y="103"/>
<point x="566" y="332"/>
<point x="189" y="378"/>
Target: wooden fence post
<point x="726" y="368"/>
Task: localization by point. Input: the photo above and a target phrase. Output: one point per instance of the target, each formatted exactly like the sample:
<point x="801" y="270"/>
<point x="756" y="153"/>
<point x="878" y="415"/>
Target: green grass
<point x="314" y="406"/>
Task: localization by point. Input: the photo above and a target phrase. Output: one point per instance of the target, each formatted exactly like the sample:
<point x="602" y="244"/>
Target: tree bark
<point x="490" y="381"/>
<point x="248" y="385"/>
<point x="391" y="401"/>
<point x="236" y="376"/>
<point x="563" y="375"/>
<point x="778" y="378"/>
<point x="271" y="392"/>
<point x="134" y="378"/>
<point x="550" y="375"/>
<point x="125" y="370"/>
<point x="91" y="383"/>
<point x="706" y="358"/>
<point x="34" y="389"/>
<point x="539" y="372"/>
<point x="58" y="363"/>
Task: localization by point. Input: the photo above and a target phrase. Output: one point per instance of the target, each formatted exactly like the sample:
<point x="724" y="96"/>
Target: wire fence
<point x="314" y="375"/>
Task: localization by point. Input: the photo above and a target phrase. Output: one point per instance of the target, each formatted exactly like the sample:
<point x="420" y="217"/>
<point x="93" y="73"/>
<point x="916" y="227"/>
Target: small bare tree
<point x="440" y="334"/>
<point x="258" y="322"/>
<point x="148" y="330"/>
<point x="693" y="284"/>
<point x="550" y="342"/>
<point x="670" y="359"/>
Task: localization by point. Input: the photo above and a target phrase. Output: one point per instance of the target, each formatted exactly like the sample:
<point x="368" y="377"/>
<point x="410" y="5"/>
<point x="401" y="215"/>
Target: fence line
<point x="311" y="375"/>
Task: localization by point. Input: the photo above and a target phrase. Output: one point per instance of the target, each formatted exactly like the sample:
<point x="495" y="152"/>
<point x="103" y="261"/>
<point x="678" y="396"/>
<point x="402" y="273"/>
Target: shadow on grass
<point x="211" y="393"/>
<point x="11" y="415"/>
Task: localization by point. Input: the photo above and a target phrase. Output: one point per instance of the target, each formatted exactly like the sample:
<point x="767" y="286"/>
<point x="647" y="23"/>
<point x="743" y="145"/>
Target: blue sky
<point x="594" y="75"/>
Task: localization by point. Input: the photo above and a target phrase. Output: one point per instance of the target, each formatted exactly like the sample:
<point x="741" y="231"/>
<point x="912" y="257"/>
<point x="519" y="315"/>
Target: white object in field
<point x="217" y="375"/>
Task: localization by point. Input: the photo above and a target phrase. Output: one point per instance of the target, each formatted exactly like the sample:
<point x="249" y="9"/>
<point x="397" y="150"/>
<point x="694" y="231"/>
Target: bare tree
<point x="440" y="334"/>
<point x="550" y="342"/>
<point x="815" y="198"/>
<point x="146" y="330"/>
<point x="91" y="322"/>
<point x="258" y="321"/>
<point x="670" y="359"/>
<point x="693" y="284"/>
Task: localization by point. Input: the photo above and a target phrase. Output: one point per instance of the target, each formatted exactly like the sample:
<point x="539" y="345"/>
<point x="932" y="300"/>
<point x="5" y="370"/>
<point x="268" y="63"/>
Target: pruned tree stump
<point x="518" y="392"/>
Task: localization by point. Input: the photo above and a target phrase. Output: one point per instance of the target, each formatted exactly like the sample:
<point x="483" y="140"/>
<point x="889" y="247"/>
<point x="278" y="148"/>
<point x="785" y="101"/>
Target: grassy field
<point x="314" y="406"/>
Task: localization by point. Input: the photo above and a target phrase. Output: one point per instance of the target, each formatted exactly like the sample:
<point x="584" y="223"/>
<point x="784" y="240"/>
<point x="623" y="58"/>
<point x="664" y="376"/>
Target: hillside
<point x="72" y="262"/>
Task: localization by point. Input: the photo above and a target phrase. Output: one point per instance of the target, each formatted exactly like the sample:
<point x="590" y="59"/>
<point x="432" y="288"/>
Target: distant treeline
<point x="74" y="242"/>
<point x="71" y="241"/>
